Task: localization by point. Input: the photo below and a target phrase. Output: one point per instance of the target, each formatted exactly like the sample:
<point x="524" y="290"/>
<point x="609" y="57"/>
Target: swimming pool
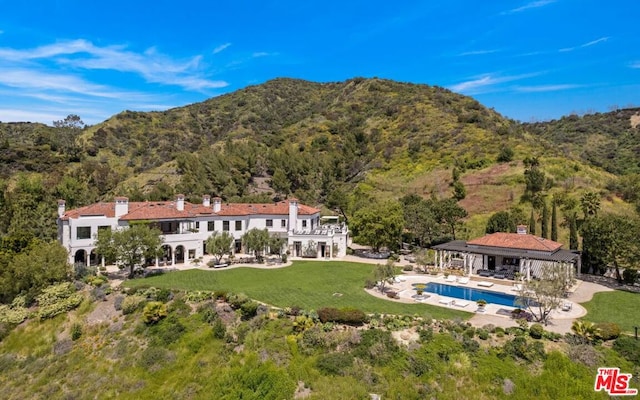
<point x="470" y="294"/>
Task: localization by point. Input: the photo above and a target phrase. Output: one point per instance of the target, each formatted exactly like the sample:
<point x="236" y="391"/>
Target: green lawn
<point x="620" y="307"/>
<point x="306" y="284"/>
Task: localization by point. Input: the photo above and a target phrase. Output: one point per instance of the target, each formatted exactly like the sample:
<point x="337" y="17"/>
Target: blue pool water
<point x="471" y="294"/>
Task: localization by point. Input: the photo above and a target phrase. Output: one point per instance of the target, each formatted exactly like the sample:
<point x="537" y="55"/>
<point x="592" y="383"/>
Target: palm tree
<point x="585" y="330"/>
<point x="590" y="204"/>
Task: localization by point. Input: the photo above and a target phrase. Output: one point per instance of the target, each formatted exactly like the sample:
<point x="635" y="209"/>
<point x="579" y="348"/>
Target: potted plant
<point x="481" y="304"/>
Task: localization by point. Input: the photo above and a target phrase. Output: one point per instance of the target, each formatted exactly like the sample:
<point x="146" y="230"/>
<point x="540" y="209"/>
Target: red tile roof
<point x="153" y="210"/>
<point x="516" y="241"/>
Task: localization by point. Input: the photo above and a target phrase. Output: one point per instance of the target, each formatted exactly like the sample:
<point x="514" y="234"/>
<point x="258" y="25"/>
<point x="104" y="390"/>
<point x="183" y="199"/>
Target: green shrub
<point x="61" y="306"/>
<point x="334" y="363"/>
<point x="14" y="316"/>
<point x="219" y="329"/>
<point x="349" y="316"/>
<point x="249" y="309"/>
<point x="164" y="295"/>
<point x="470" y="332"/>
<point x="483" y="334"/>
<point x="132" y="303"/>
<point x="154" y="311"/>
<point x="237" y="300"/>
<point x="628" y="348"/>
<point x="76" y="331"/>
<point x="168" y="330"/>
<point x="630" y="276"/>
<point x="536" y="331"/>
<point x="376" y="346"/>
<point x="55" y="293"/>
<point x="220" y="295"/>
<point x="5" y="329"/>
<point x="607" y="330"/>
<point x="208" y="312"/>
<point x="407" y="268"/>
<point x="154" y="358"/>
<point x="520" y="348"/>
<point x="198" y="296"/>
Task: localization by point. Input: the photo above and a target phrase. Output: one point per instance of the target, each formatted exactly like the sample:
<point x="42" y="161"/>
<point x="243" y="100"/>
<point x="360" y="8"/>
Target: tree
<point x="130" y="247"/>
<point x="532" y="223"/>
<point x="256" y="240"/>
<point x="420" y="219"/>
<point x="544" y="223"/>
<point x="280" y="183"/>
<point x="379" y="225"/>
<point x="541" y="296"/>
<point x="450" y="214"/>
<point x="219" y="244"/>
<point x="573" y="232"/>
<point x="554" y="220"/>
<point x="68" y="130"/>
<point x="501" y="221"/>
<point x="276" y="243"/>
<point x="384" y="273"/>
<point x="611" y="240"/>
<point x="459" y="191"/>
<point x="590" y="204"/>
<point x="506" y="154"/>
<point x="38" y="266"/>
<point x="338" y="200"/>
<point x="534" y="178"/>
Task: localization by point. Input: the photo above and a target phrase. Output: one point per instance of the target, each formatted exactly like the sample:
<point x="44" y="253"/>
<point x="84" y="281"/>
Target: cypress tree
<point x="573" y="233"/>
<point x="554" y="221"/>
<point x="545" y="218"/>
<point x="532" y="223"/>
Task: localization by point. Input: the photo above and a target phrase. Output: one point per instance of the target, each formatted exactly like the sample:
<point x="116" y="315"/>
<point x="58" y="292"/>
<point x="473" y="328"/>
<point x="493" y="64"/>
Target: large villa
<point x="185" y="226"/>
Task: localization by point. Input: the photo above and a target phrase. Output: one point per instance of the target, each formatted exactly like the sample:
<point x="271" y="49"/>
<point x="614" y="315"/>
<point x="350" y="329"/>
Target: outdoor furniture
<point x="460" y="303"/>
<point x="463" y="280"/>
<point x="499" y="275"/>
<point x="485" y="284"/>
<point x="566" y="306"/>
<point x="446" y="301"/>
<point x="485" y="273"/>
<point x="450" y="278"/>
<point x="517" y="287"/>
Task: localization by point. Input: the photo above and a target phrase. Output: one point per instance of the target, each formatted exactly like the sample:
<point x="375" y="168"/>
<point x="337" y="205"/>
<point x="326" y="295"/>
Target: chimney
<point x="217" y="203"/>
<point x="122" y="206"/>
<point x="180" y="202"/>
<point x="521" y="229"/>
<point x="206" y="200"/>
<point x="293" y="214"/>
<point x="61" y="208"/>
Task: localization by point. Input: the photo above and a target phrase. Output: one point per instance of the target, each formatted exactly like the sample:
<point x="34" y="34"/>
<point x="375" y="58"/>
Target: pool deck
<point x="495" y="314"/>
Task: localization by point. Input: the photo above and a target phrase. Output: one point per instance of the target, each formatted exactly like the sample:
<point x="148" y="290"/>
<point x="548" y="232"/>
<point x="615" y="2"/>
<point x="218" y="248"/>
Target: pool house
<point x="503" y="255"/>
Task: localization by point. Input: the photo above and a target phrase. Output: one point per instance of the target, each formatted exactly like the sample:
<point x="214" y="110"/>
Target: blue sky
<point x="529" y="60"/>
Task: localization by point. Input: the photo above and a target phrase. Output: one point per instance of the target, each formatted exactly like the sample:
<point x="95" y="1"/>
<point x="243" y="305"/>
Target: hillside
<point x="372" y="138"/>
<point x="610" y="140"/>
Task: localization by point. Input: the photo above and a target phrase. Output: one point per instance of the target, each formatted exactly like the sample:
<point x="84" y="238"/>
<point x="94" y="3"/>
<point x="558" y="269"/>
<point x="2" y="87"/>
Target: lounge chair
<point x="450" y="278"/>
<point x="463" y="280"/>
<point x="446" y="300"/>
<point x="517" y="287"/>
<point x="460" y="303"/>
<point x="566" y="306"/>
<point x="485" y="283"/>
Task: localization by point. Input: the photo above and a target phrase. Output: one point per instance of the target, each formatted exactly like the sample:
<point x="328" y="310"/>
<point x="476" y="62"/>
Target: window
<point x="283" y="223"/>
<point x="225" y="226"/>
<point x="83" y="232"/>
<point x="192" y="254"/>
<point x="304" y="223"/>
<point x="211" y="226"/>
<point x="269" y="223"/>
<point x="238" y="225"/>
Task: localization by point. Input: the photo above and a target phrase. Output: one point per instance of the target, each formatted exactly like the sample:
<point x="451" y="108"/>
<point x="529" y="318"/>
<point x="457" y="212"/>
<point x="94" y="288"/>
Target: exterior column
<point x="528" y="270"/>
<point x="578" y="267"/>
<point x="464" y="262"/>
<point x="102" y="261"/>
<point x="157" y="262"/>
<point x="88" y="258"/>
<point x="173" y="256"/>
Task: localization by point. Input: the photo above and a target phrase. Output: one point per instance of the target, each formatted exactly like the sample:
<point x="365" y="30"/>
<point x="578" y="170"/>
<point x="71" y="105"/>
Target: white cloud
<point x="221" y="48"/>
<point x="528" y="6"/>
<point x="14" y="115"/>
<point x="635" y="64"/>
<point x="153" y="66"/>
<point x="260" y="54"/>
<point x="478" y="52"/>
<point x="546" y="88"/>
<point x="588" y="44"/>
<point x="486" y="82"/>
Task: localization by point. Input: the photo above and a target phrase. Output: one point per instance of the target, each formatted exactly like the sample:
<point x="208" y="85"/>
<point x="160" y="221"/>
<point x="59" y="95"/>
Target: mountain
<point x="372" y="138"/>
